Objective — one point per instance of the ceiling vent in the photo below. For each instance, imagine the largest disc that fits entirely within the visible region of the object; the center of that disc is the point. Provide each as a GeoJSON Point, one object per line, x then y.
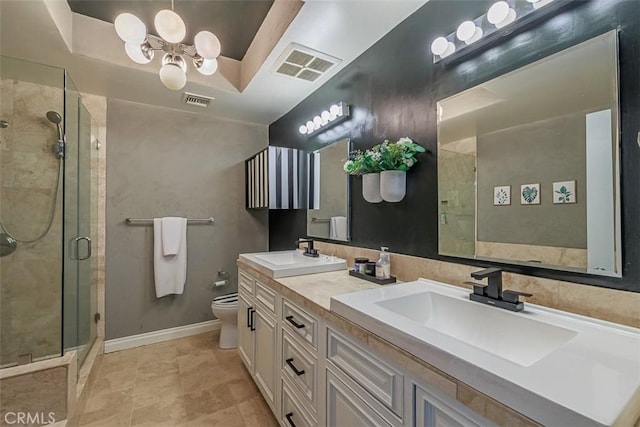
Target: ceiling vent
{"type": "Point", "coordinates": [303, 63]}
{"type": "Point", "coordinates": [199, 100]}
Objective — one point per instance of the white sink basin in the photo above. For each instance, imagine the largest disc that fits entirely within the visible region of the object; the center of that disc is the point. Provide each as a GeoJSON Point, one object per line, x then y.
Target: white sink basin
{"type": "Point", "coordinates": [293, 263]}
{"type": "Point", "coordinates": [517, 338]}
{"type": "Point", "coordinates": [555, 367]}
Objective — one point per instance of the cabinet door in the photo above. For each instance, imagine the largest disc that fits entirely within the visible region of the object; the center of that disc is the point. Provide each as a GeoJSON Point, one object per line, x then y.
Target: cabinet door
{"type": "Point", "coordinates": [265, 349]}
{"type": "Point", "coordinates": [345, 408]}
{"type": "Point", "coordinates": [432, 411]}
{"type": "Point", "coordinates": [245, 332]}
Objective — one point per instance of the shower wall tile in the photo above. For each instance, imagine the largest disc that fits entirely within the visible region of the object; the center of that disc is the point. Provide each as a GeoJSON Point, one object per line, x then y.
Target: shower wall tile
{"type": "Point", "coordinates": [30, 278]}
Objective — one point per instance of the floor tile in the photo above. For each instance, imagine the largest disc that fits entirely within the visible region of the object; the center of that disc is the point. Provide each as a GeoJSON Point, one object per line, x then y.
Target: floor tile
{"type": "Point", "coordinates": [183, 382]}
{"type": "Point", "coordinates": [208, 401]}
{"type": "Point", "coordinates": [228, 417]}
{"type": "Point", "coordinates": [160, 414]}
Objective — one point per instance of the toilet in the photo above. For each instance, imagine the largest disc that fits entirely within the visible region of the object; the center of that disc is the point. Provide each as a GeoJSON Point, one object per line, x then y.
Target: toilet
{"type": "Point", "coordinates": [225, 308]}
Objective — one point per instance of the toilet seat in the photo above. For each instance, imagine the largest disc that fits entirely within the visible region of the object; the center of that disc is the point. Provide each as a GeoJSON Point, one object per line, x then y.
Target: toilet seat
{"type": "Point", "coordinates": [229, 300]}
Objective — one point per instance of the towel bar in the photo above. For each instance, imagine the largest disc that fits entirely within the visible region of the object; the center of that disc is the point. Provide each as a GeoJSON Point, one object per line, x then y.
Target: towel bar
{"type": "Point", "coordinates": [209, 220]}
{"type": "Point", "coordinates": [314, 219]}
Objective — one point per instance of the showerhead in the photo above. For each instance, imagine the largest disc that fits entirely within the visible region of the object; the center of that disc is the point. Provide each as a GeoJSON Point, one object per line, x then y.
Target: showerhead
{"type": "Point", "coordinates": [55, 118]}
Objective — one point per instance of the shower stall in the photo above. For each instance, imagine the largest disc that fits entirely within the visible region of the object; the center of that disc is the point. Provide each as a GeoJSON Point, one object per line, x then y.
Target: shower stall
{"type": "Point", "coordinates": [48, 189]}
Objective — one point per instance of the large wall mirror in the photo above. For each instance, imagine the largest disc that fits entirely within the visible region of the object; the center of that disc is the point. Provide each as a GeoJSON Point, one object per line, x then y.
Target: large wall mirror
{"type": "Point", "coordinates": [331, 192]}
{"type": "Point", "coordinates": [528, 164]}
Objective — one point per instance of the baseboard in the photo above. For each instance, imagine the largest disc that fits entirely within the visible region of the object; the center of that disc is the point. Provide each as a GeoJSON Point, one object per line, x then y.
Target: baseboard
{"type": "Point", "coordinates": [133, 341]}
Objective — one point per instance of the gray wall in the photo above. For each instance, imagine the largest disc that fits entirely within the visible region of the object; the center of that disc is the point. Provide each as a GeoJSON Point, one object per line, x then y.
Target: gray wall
{"type": "Point", "coordinates": [163, 162]}
{"type": "Point", "coordinates": [543, 152]}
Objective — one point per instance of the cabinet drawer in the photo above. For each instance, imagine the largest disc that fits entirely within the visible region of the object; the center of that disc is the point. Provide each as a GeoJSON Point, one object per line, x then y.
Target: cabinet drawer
{"type": "Point", "coordinates": [245, 283]}
{"type": "Point", "coordinates": [346, 408]}
{"type": "Point", "coordinates": [382, 381]}
{"type": "Point", "coordinates": [433, 410]}
{"type": "Point", "coordinates": [301, 368]}
{"type": "Point", "coordinates": [266, 297]}
{"type": "Point", "coordinates": [300, 323]}
{"type": "Point", "coordinates": [293, 414]}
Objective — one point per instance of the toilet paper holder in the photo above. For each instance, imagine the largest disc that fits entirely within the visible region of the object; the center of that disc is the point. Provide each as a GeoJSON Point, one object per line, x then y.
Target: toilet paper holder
{"type": "Point", "coordinates": [221, 280]}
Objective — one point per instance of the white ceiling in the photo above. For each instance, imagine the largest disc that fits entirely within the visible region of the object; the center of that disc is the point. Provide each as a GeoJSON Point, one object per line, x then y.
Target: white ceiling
{"type": "Point", "coordinates": [42, 31]}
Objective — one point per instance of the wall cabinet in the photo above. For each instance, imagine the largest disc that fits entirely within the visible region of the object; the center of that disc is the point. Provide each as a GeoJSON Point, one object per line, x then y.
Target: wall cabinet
{"type": "Point", "coordinates": [312, 374]}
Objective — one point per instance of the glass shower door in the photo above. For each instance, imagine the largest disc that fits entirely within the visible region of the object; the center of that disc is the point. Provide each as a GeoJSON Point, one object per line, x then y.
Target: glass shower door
{"type": "Point", "coordinates": [79, 296]}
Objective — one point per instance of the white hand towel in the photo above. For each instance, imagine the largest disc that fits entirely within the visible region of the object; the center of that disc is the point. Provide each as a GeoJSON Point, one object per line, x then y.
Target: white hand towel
{"type": "Point", "coordinates": [170, 272]}
{"type": "Point", "coordinates": [171, 234]}
{"type": "Point", "coordinates": [338, 228]}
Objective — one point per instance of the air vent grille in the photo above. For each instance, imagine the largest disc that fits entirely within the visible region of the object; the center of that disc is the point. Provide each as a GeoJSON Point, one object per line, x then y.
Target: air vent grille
{"type": "Point", "coordinates": [303, 63]}
{"type": "Point", "coordinates": [199, 100]}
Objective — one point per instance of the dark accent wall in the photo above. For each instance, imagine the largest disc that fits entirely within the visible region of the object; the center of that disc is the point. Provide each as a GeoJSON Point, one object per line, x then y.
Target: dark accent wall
{"type": "Point", "coordinates": [393, 88]}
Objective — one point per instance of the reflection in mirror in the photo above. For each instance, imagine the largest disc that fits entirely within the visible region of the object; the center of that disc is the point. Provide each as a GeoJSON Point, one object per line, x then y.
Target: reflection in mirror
{"type": "Point", "coordinates": [528, 164]}
{"type": "Point", "coordinates": [331, 219]}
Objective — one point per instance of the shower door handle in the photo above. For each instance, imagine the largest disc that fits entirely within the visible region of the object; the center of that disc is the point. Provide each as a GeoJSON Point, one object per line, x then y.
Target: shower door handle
{"type": "Point", "coordinates": [88, 240]}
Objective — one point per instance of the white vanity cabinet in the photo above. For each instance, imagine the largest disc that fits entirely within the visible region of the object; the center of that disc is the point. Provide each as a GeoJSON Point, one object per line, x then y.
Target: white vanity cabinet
{"type": "Point", "coordinates": [313, 373]}
{"type": "Point", "coordinates": [246, 302]}
{"type": "Point", "coordinates": [258, 335]}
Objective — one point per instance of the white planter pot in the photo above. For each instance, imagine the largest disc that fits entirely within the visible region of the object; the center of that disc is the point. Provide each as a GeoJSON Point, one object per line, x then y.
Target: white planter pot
{"type": "Point", "coordinates": [393, 185]}
{"type": "Point", "coordinates": [371, 187]}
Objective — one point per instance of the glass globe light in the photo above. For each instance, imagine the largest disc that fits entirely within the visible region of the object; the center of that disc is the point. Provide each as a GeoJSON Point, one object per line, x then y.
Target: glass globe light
{"type": "Point", "coordinates": [500, 14]}
{"type": "Point", "coordinates": [130, 28]}
{"type": "Point", "coordinates": [335, 110]}
{"type": "Point", "coordinates": [207, 45]}
{"type": "Point", "coordinates": [142, 54]}
{"type": "Point", "coordinates": [172, 76]}
{"type": "Point", "coordinates": [170, 26]}
{"type": "Point", "coordinates": [466, 30]}
{"type": "Point", "coordinates": [207, 66]}
{"type": "Point", "coordinates": [439, 46]}
{"type": "Point", "coordinates": [302, 129]}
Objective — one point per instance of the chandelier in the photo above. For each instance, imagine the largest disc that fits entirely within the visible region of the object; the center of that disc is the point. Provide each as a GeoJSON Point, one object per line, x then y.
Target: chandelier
{"type": "Point", "coordinates": [141, 46]}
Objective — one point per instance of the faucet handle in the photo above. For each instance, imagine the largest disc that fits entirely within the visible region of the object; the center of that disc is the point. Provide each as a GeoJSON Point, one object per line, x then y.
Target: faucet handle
{"type": "Point", "coordinates": [478, 288]}
{"type": "Point", "coordinates": [514, 296]}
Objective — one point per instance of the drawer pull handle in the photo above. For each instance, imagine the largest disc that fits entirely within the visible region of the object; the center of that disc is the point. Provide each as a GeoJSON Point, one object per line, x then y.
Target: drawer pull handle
{"type": "Point", "coordinates": [294, 323]}
{"type": "Point", "coordinates": [249, 317]}
{"type": "Point", "coordinates": [293, 367]}
{"type": "Point", "coordinates": [288, 417]}
{"type": "Point", "coordinates": [253, 320]}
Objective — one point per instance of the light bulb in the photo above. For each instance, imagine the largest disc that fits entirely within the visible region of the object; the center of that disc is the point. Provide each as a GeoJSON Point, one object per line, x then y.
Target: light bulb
{"type": "Point", "coordinates": [439, 46]}
{"type": "Point", "coordinates": [130, 28]}
{"type": "Point", "coordinates": [310, 127]}
{"type": "Point", "coordinates": [170, 26]}
{"type": "Point", "coordinates": [500, 14]}
{"type": "Point", "coordinates": [335, 110]}
{"type": "Point", "coordinates": [207, 45]}
{"type": "Point", "coordinates": [137, 53]}
{"type": "Point", "coordinates": [302, 129]}
{"type": "Point", "coordinates": [172, 76]}
{"type": "Point", "coordinates": [208, 66]}
{"type": "Point", "coordinates": [317, 121]}
{"type": "Point", "coordinates": [451, 48]}
{"type": "Point", "coordinates": [326, 116]}
{"type": "Point", "coordinates": [466, 30]}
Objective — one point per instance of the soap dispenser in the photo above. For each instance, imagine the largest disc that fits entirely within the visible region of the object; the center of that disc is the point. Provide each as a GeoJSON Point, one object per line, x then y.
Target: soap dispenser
{"type": "Point", "coordinates": [383, 266]}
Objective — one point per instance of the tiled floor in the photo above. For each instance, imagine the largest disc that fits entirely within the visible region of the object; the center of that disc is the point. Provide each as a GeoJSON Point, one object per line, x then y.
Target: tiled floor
{"type": "Point", "coordinates": [184, 382]}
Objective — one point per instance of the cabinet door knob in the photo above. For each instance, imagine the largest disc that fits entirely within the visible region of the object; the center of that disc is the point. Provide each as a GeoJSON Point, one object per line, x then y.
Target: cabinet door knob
{"type": "Point", "coordinates": [293, 367]}
{"type": "Point", "coordinates": [294, 323]}
{"type": "Point", "coordinates": [288, 417]}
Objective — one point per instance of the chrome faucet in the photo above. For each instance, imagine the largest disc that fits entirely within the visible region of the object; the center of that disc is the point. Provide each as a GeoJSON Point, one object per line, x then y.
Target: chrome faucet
{"type": "Point", "coordinates": [308, 250]}
{"type": "Point", "coordinates": [492, 293]}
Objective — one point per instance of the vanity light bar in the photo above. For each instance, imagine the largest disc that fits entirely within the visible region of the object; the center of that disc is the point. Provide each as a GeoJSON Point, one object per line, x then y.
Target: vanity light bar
{"type": "Point", "coordinates": [335, 114]}
{"type": "Point", "coordinates": [502, 18]}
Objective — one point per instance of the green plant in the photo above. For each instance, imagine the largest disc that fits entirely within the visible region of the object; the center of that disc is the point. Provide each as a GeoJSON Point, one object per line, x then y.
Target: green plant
{"type": "Point", "coordinates": [361, 163]}
{"type": "Point", "coordinates": [399, 155]}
